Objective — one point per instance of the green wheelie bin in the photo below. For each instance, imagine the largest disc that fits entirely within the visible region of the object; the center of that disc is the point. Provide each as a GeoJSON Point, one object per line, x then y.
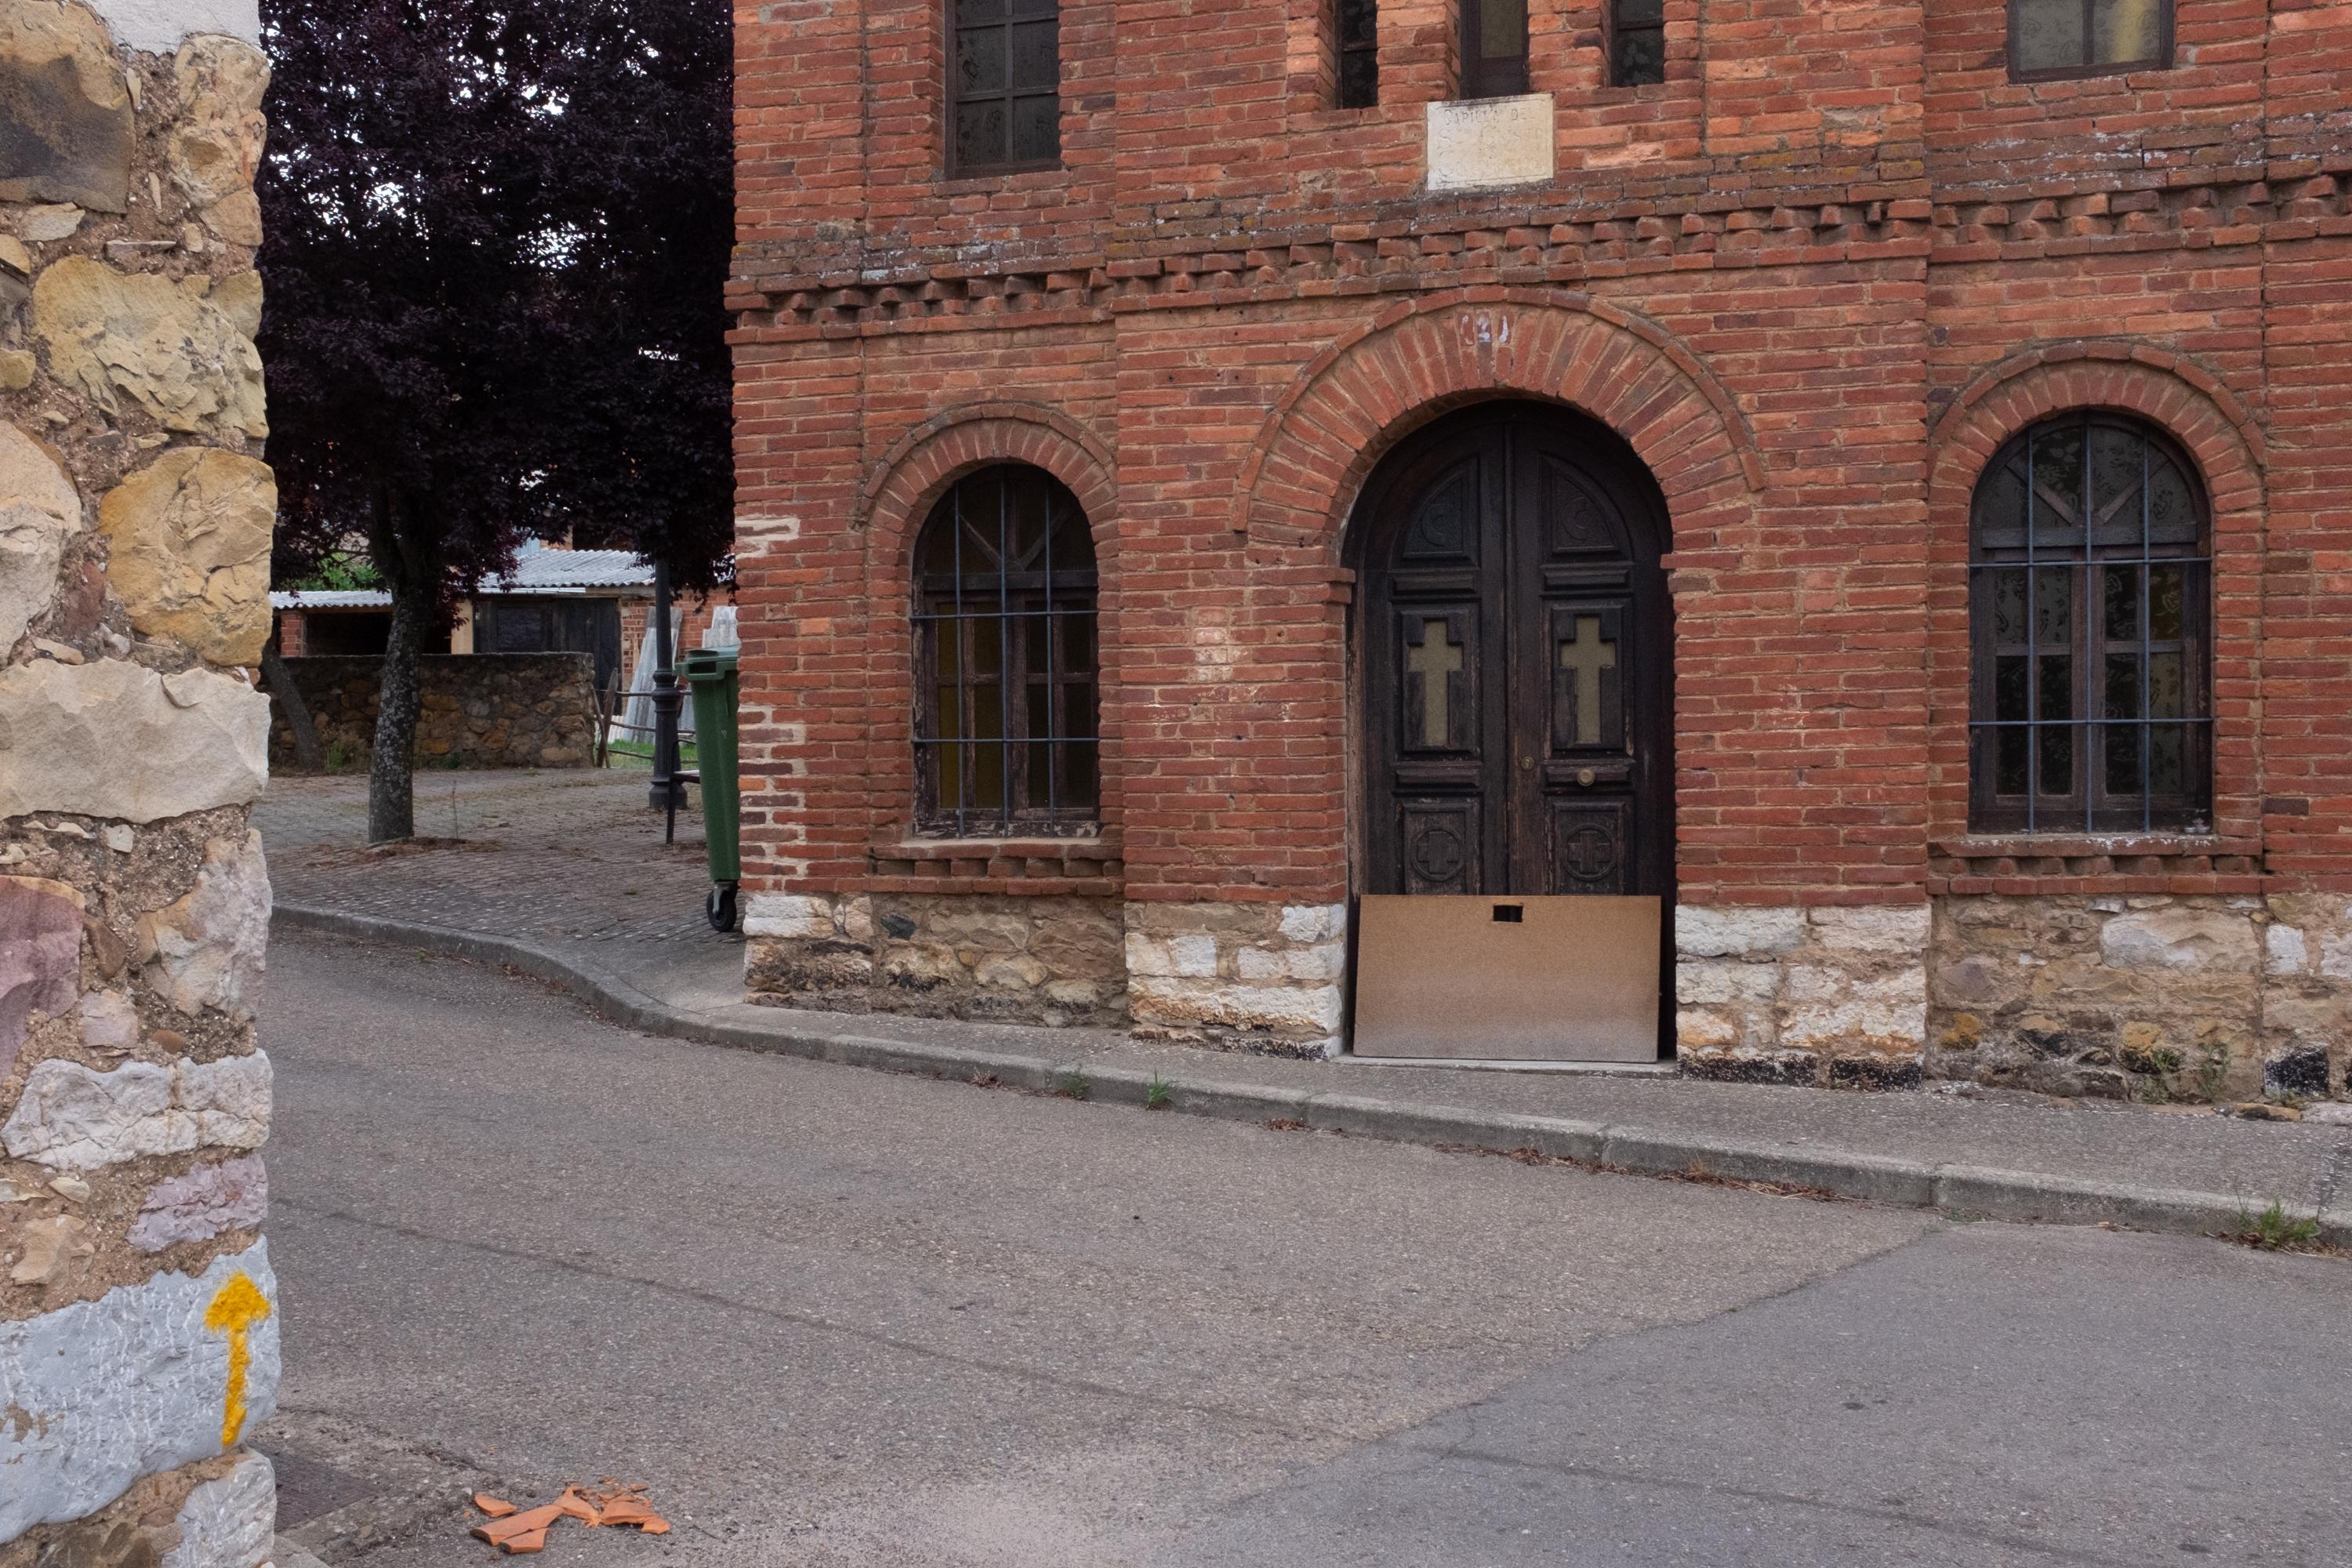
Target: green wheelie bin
{"type": "Point", "coordinates": [709, 675]}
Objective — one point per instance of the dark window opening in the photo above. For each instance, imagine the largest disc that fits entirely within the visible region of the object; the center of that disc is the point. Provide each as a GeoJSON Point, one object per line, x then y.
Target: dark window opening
{"type": "Point", "coordinates": [1004, 76]}
{"type": "Point", "coordinates": [1007, 661]}
{"type": "Point", "coordinates": [2049, 39]}
{"type": "Point", "coordinates": [1493, 47]}
{"type": "Point", "coordinates": [2090, 702]}
{"type": "Point", "coordinates": [1634, 32]}
{"type": "Point", "coordinates": [1356, 34]}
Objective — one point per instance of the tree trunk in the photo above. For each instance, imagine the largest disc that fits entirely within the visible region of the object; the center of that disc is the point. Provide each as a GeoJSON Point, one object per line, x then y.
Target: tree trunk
{"type": "Point", "coordinates": [403, 548]}
{"type": "Point", "coordinates": [289, 697]}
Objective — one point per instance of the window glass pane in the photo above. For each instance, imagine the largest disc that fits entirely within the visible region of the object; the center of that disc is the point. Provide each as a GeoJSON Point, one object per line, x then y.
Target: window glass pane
{"type": "Point", "coordinates": [2057, 686]}
{"type": "Point", "coordinates": [1359, 24]}
{"type": "Point", "coordinates": [2123, 686]}
{"type": "Point", "coordinates": [1360, 79]}
{"type": "Point", "coordinates": [1502, 29]}
{"type": "Point", "coordinates": [2124, 32]}
{"type": "Point", "coordinates": [2057, 487]}
{"type": "Point", "coordinates": [987, 651]}
{"type": "Point", "coordinates": [1035, 8]}
{"type": "Point", "coordinates": [2008, 688]}
{"type": "Point", "coordinates": [2116, 458]}
{"type": "Point", "coordinates": [2009, 761]}
{"type": "Point", "coordinates": [1641, 13]}
{"type": "Point", "coordinates": [2049, 34]}
{"type": "Point", "coordinates": [1079, 709]}
{"type": "Point", "coordinates": [2167, 695]}
{"type": "Point", "coordinates": [2053, 606]}
{"type": "Point", "coordinates": [2057, 761]}
{"type": "Point", "coordinates": [1640, 56]}
{"type": "Point", "coordinates": [2008, 607]}
{"type": "Point", "coordinates": [1036, 130]}
{"type": "Point", "coordinates": [1038, 790]}
{"type": "Point", "coordinates": [1077, 646]}
{"type": "Point", "coordinates": [2123, 759]}
{"type": "Point", "coordinates": [988, 756]}
{"type": "Point", "coordinates": [1036, 632]}
{"type": "Point", "coordinates": [2167, 760]}
{"type": "Point", "coordinates": [2120, 589]}
{"type": "Point", "coordinates": [980, 61]}
{"type": "Point", "coordinates": [2167, 603]}
{"type": "Point", "coordinates": [980, 132]}
{"type": "Point", "coordinates": [2000, 507]}
{"type": "Point", "coordinates": [1036, 54]}
{"type": "Point", "coordinates": [2171, 510]}
{"type": "Point", "coordinates": [968, 11]}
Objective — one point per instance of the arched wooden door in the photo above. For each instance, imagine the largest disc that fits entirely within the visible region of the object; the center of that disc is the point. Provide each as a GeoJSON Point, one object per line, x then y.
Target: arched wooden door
{"type": "Point", "coordinates": [1516, 691]}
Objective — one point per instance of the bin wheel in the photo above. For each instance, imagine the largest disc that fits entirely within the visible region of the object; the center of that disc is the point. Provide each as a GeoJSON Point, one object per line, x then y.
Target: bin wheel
{"type": "Point", "coordinates": [719, 907]}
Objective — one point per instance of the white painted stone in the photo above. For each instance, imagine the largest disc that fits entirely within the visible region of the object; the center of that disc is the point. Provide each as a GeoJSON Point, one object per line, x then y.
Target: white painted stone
{"type": "Point", "coordinates": [114, 739]}
{"type": "Point", "coordinates": [1485, 141]}
{"type": "Point", "coordinates": [206, 950]}
{"type": "Point", "coordinates": [2284, 951]}
{"type": "Point", "coordinates": [71, 1117]}
{"type": "Point", "coordinates": [101, 1393]}
{"type": "Point", "coordinates": [197, 1207]}
{"type": "Point", "coordinates": [40, 510]}
{"type": "Point", "coordinates": [1314, 922]}
{"type": "Point", "coordinates": [1890, 930]}
{"type": "Point", "coordinates": [1310, 965]}
{"type": "Point", "coordinates": [1827, 1008]}
{"type": "Point", "coordinates": [160, 24]}
{"type": "Point", "coordinates": [788, 915]}
{"type": "Point", "coordinates": [231, 1522]}
{"type": "Point", "coordinates": [1186, 957]}
{"type": "Point", "coordinates": [1705, 982]}
{"type": "Point", "coordinates": [1284, 1010]}
{"type": "Point", "coordinates": [2179, 937]}
{"type": "Point", "coordinates": [1736, 931]}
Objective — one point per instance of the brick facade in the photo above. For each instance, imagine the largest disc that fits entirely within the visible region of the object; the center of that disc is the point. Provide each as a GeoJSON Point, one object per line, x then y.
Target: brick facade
{"type": "Point", "coordinates": [1814, 278]}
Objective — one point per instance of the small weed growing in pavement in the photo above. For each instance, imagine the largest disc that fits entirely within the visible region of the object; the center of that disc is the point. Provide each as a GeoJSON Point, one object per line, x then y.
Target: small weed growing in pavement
{"type": "Point", "coordinates": [1156, 1093]}
{"type": "Point", "coordinates": [2272, 1231]}
{"type": "Point", "coordinates": [1075, 1085]}
{"type": "Point", "coordinates": [339, 757]}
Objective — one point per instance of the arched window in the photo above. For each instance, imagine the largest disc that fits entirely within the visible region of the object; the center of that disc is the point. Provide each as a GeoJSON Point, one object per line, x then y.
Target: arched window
{"type": "Point", "coordinates": [2090, 701]}
{"type": "Point", "coordinates": [1005, 660]}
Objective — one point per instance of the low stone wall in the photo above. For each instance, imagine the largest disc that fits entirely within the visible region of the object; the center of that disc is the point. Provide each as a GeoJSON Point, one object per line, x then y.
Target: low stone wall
{"type": "Point", "coordinates": [1787, 994]}
{"type": "Point", "coordinates": [1049, 959]}
{"type": "Point", "coordinates": [478, 710]}
{"type": "Point", "coordinates": [1255, 977]}
{"type": "Point", "coordinates": [2150, 998]}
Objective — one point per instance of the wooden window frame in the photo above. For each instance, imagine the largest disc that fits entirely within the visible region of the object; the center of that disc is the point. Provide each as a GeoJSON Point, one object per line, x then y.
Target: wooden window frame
{"type": "Point", "coordinates": [984, 601]}
{"type": "Point", "coordinates": [2161, 60]}
{"type": "Point", "coordinates": [2087, 806]}
{"type": "Point", "coordinates": [957, 168]}
{"type": "Point", "coordinates": [1481, 79]}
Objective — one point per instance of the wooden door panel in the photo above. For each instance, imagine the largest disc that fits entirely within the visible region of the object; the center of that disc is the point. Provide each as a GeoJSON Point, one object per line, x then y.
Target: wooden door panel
{"type": "Point", "coordinates": [1442, 846]}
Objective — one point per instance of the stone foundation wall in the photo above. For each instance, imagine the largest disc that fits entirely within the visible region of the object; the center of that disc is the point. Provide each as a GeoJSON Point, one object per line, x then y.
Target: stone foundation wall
{"type": "Point", "coordinates": [1049, 959]}
{"type": "Point", "coordinates": [2151, 998]}
{"type": "Point", "coordinates": [138, 1316]}
{"type": "Point", "coordinates": [1821, 995]}
{"type": "Point", "coordinates": [477, 709]}
{"type": "Point", "coordinates": [1254, 977]}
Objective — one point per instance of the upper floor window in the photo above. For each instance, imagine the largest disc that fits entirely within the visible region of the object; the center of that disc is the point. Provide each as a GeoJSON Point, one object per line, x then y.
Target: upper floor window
{"type": "Point", "coordinates": [1493, 47]}
{"type": "Point", "coordinates": [1004, 76]}
{"type": "Point", "coordinates": [1005, 660]}
{"type": "Point", "coordinates": [1635, 34]}
{"type": "Point", "coordinates": [2090, 693]}
{"type": "Point", "coordinates": [2052, 38]}
{"type": "Point", "coordinates": [1356, 40]}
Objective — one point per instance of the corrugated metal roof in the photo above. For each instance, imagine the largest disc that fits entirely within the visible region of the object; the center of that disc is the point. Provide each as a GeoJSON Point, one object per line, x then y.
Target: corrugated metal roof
{"type": "Point", "coordinates": [539, 571]}
{"type": "Point", "coordinates": [330, 599]}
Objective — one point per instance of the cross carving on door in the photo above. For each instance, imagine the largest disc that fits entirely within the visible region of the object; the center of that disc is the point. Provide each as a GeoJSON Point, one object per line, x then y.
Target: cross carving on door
{"type": "Point", "coordinates": [1433, 658]}
{"type": "Point", "coordinates": [1584, 655]}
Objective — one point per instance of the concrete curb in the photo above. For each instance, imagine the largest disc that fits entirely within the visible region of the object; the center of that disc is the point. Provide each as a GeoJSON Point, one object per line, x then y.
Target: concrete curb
{"type": "Point", "coordinates": [1961, 1191]}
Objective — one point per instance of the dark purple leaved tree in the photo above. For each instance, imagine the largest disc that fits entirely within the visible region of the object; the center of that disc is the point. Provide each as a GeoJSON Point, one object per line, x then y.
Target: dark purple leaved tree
{"type": "Point", "coordinates": [498, 239]}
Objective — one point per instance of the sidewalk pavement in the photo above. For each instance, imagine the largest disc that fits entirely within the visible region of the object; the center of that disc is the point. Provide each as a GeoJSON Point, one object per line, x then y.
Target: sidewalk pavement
{"type": "Point", "coordinates": [565, 875]}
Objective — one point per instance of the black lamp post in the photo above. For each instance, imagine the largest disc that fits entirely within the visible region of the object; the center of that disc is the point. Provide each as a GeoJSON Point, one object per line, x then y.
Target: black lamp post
{"type": "Point", "coordinates": [666, 794]}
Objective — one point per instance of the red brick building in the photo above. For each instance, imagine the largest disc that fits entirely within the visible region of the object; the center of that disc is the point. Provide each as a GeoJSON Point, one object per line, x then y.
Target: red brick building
{"type": "Point", "coordinates": [1875, 476]}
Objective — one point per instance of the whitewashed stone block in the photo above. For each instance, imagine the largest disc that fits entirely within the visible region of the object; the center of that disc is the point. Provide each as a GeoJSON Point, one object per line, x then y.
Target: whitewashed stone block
{"type": "Point", "coordinates": [1480, 142]}
{"type": "Point", "coordinates": [1736, 931]}
{"type": "Point", "coordinates": [101, 1393]}
{"type": "Point", "coordinates": [2179, 936]}
{"type": "Point", "coordinates": [72, 1117]}
{"type": "Point", "coordinates": [231, 1522]}
{"type": "Point", "coordinates": [2283, 951]}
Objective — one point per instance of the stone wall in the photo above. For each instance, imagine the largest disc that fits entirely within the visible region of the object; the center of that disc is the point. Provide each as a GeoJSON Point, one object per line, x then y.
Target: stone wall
{"type": "Point", "coordinates": [1050, 959]}
{"type": "Point", "coordinates": [137, 1321]}
{"type": "Point", "coordinates": [477, 709]}
{"type": "Point", "coordinates": [1255, 977]}
{"type": "Point", "coordinates": [1830, 994]}
{"type": "Point", "coordinates": [2151, 997]}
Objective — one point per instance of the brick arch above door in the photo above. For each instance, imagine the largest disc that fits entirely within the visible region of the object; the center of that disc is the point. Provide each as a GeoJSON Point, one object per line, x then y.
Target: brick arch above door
{"type": "Point", "coordinates": [1351, 404]}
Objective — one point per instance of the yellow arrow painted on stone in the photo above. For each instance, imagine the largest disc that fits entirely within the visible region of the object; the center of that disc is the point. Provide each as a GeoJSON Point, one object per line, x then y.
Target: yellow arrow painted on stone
{"type": "Point", "coordinates": [238, 1306]}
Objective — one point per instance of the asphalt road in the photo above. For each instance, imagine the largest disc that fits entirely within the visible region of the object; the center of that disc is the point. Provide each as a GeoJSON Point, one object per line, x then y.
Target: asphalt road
{"type": "Point", "coordinates": [836, 1317]}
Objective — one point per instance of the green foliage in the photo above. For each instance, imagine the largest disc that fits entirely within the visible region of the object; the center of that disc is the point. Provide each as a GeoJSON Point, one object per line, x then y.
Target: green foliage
{"type": "Point", "coordinates": [2272, 1231]}
{"type": "Point", "coordinates": [1157, 1094]}
{"type": "Point", "coordinates": [1075, 1085]}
